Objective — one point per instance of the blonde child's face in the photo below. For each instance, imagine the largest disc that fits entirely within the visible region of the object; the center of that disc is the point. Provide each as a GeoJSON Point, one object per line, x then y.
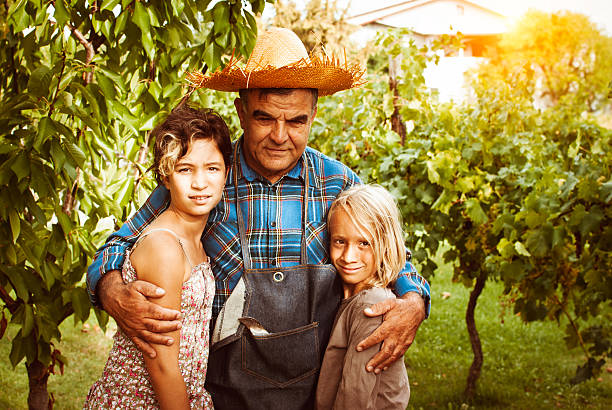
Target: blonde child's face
{"type": "Point", "coordinates": [351, 253]}
{"type": "Point", "coordinates": [198, 180]}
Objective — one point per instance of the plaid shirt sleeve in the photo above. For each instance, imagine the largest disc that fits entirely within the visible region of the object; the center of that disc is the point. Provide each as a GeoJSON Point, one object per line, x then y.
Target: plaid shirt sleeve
{"type": "Point", "coordinates": [112, 254]}
{"type": "Point", "coordinates": [409, 280]}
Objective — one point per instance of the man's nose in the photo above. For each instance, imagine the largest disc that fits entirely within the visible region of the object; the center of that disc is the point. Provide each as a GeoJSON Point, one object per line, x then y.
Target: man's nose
{"type": "Point", "coordinates": [279, 132]}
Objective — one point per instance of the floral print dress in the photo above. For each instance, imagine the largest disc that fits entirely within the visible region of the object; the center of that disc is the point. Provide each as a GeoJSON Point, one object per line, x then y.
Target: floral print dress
{"type": "Point", "coordinates": [125, 381]}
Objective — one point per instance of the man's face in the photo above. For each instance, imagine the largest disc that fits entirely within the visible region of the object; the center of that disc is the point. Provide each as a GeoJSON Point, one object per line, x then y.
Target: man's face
{"type": "Point", "coordinates": [276, 129]}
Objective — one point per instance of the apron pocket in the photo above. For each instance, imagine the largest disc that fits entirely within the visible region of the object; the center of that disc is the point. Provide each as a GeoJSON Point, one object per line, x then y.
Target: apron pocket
{"type": "Point", "coordinates": [281, 358]}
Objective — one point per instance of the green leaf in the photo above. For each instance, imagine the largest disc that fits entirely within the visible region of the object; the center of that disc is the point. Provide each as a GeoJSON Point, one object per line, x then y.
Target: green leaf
{"type": "Point", "coordinates": [141, 18]}
{"type": "Point", "coordinates": [21, 166]}
{"type": "Point", "coordinates": [46, 128]}
{"type": "Point", "coordinates": [61, 14]}
{"type": "Point", "coordinates": [80, 303]}
{"type": "Point", "coordinates": [220, 14]}
{"type": "Point", "coordinates": [15, 224]}
{"type": "Point", "coordinates": [28, 322]}
{"type": "Point", "coordinates": [16, 279]}
{"type": "Point", "coordinates": [125, 192]}
{"type": "Point", "coordinates": [153, 17]}
{"type": "Point", "coordinates": [64, 222]}
{"type": "Point", "coordinates": [120, 23]}
{"type": "Point", "coordinates": [505, 248]}
{"type": "Point", "coordinates": [109, 4]}
{"type": "Point", "coordinates": [606, 190]}
{"type": "Point", "coordinates": [444, 201]}
{"type": "Point", "coordinates": [148, 44]}
{"type": "Point", "coordinates": [11, 255]}
{"type": "Point", "coordinates": [39, 81]}
{"type": "Point", "coordinates": [475, 212]}
{"type": "Point", "coordinates": [57, 154]}
{"type": "Point", "coordinates": [537, 243]}
{"type": "Point", "coordinates": [17, 350]}
{"type": "Point", "coordinates": [18, 15]}
{"type": "Point", "coordinates": [75, 153]}
{"type": "Point", "coordinates": [432, 173]}
{"type": "Point", "coordinates": [520, 249]}
{"type": "Point", "coordinates": [149, 123]}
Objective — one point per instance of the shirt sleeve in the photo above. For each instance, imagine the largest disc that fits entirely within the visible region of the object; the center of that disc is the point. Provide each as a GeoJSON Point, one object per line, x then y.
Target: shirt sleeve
{"type": "Point", "coordinates": [409, 280]}
{"type": "Point", "coordinates": [358, 388]}
{"type": "Point", "coordinates": [112, 254]}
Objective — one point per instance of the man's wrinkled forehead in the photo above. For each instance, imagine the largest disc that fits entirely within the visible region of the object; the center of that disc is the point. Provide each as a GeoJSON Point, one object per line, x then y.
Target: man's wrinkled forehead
{"type": "Point", "coordinates": [262, 94]}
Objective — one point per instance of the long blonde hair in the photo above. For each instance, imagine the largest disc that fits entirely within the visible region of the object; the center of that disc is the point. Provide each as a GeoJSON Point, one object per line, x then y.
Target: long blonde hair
{"type": "Point", "coordinates": [373, 211]}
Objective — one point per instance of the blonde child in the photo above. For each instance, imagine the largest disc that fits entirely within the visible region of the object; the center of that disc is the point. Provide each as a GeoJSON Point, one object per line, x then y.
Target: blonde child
{"type": "Point", "coordinates": [367, 249]}
{"type": "Point", "coordinates": [192, 154]}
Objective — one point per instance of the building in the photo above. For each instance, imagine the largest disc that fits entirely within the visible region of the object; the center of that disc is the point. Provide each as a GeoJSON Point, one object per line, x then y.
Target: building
{"type": "Point", "coordinates": [429, 20]}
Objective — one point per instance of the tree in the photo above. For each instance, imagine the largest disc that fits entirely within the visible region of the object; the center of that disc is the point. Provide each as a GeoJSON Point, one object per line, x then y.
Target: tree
{"type": "Point", "coordinates": [81, 85]}
{"type": "Point", "coordinates": [521, 195]}
{"type": "Point", "coordinates": [321, 24]}
{"type": "Point", "coordinates": [565, 57]}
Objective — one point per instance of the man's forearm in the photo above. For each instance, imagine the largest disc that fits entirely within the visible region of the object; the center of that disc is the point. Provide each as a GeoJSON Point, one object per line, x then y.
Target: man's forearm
{"type": "Point", "coordinates": [418, 303]}
{"type": "Point", "coordinates": [104, 288]}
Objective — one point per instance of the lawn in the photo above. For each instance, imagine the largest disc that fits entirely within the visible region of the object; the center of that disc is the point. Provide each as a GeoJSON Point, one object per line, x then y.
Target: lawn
{"type": "Point", "coordinates": [525, 366]}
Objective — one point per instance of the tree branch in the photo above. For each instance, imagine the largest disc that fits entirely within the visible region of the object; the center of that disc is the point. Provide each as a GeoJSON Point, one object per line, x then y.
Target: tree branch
{"type": "Point", "coordinates": [69, 198]}
{"type": "Point", "coordinates": [87, 76]}
{"type": "Point", "coordinates": [574, 326]}
{"type": "Point", "coordinates": [10, 303]}
{"type": "Point", "coordinates": [59, 80]}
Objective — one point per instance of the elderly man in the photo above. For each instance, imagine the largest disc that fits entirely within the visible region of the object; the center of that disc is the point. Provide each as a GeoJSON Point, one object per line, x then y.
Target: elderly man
{"type": "Point", "coordinates": [275, 297]}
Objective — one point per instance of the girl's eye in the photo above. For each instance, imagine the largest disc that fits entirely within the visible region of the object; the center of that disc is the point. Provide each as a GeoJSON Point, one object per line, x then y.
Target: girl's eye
{"type": "Point", "coordinates": [364, 243]}
{"type": "Point", "coordinates": [183, 170]}
{"type": "Point", "coordinates": [213, 169]}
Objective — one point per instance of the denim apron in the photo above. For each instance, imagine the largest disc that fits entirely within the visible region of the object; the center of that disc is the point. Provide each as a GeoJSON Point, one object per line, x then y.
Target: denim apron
{"type": "Point", "coordinates": [275, 367]}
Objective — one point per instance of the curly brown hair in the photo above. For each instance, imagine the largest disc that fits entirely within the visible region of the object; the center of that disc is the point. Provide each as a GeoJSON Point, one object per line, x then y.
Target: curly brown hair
{"type": "Point", "coordinates": [183, 125]}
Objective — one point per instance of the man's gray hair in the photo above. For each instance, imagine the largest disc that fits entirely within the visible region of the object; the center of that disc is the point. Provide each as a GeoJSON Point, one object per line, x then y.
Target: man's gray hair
{"type": "Point", "coordinates": [244, 94]}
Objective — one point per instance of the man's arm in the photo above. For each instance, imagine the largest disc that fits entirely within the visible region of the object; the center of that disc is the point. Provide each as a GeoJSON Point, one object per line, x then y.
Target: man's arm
{"type": "Point", "coordinates": [140, 319]}
{"type": "Point", "coordinates": [402, 318]}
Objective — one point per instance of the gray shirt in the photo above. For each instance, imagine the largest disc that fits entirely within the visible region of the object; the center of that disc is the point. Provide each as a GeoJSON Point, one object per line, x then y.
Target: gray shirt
{"type": "Point", "coordinates": [343, 381]}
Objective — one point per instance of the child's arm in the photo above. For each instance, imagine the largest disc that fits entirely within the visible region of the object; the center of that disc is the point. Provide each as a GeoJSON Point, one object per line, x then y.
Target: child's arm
{"type": "Point", "coordinates": [358, 388]}
{"type": "Point", "coordinates": [110, 256]}
{"type": "Point", "coordinates": [160, 260]}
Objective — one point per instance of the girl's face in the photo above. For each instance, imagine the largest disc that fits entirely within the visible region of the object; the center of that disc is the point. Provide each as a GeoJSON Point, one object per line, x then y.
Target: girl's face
{"type": "Point", "coordinates": [198, 179]}
{"type": "Point", "coordinates": [351, 253]}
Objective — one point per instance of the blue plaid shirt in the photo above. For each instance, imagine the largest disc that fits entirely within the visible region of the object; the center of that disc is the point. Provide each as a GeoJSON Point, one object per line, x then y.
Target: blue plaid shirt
{"type": "Point", "coordinates": [273, 214]}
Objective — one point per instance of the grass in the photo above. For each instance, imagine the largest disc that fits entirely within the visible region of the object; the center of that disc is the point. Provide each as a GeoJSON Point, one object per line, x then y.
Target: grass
{"type": "Point", "coordinates": [86, 348]}
{"type": "Point", "coordinates": [525, 366]}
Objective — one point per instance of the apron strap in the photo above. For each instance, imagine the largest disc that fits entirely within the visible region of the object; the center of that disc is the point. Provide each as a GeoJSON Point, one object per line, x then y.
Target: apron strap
{"type": "Point", "coordinates": [244, 244]}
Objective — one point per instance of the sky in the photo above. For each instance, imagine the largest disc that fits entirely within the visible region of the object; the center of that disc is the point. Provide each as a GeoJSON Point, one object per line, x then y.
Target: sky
{"type": "Point", "coordinates": [599, 11]}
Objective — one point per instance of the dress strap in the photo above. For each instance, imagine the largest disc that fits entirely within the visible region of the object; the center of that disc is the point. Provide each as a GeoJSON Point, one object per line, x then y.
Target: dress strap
{"type": "Point", "coordinates": [165, 230]}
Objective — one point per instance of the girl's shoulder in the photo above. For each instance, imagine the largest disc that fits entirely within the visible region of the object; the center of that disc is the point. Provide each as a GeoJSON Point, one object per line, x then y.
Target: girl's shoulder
{"type": "Point", "coordinates": [156, 248]}
{"type": "Point", "coordinates": [158, 243]}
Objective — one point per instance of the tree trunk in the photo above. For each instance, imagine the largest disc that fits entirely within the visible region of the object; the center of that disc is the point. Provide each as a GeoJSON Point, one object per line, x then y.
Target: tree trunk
{"type": "Point", "coordinates": [476, 366]}
{"type": "Point", "coordinates": [396, 119]}
{"type": "Point", "coordinates": [38, 397]}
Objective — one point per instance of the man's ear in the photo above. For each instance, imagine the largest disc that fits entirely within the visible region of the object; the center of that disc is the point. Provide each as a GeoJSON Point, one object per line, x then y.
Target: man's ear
{"type": "Point", "coordinates": [240, 111]}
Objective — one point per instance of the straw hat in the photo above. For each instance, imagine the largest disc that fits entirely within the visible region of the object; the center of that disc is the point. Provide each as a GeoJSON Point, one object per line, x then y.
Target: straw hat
{"type": "Point", "coordinates": [279, 60]}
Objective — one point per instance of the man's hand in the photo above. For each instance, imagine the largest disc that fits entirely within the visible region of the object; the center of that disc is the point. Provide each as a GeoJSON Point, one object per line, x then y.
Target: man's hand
{"type": "Point", "coordinates": [401, 320]}
{"type": "Point", "coordinates": [141, 320]}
